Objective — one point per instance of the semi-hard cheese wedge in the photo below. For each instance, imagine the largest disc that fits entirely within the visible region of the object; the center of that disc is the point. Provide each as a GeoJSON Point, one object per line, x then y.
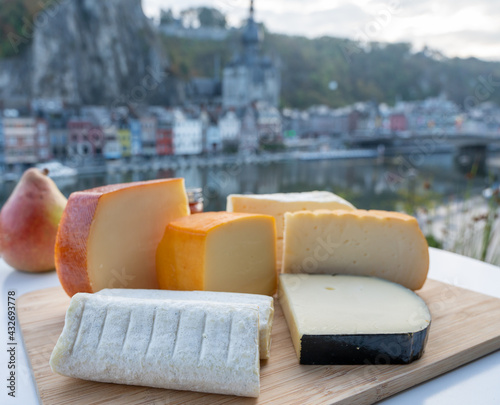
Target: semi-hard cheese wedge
{"type": "Point", "coordinates": [340, 319]}
{"type": "Point", "coordinates": [279, 203]}
{"type": "Point", "coordinates": [385, 244]}
{"type": "Point", "coordinates": [108, 236]}
{"type": "Point", "coordinates": [182, 345]}
{"type": "Point", "coordinates": [219, 251]}
{"type": "Point", "coordinates": [264, 302]}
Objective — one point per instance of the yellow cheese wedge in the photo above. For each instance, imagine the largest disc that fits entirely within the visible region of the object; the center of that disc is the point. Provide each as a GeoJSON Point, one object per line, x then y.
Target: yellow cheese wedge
{"type": "Point", "coordinates": [385, 244]}
{"type": "Point", "coordinates": [108, 236]}
{"type": "Point", "coordinates": [279, 203]}
{"type": "Point", "coordinates": [219, 251]}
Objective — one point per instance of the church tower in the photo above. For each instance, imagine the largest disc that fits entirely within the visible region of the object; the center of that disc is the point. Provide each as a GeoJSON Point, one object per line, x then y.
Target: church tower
{"type": "Point", "coordinates": [250, 76]}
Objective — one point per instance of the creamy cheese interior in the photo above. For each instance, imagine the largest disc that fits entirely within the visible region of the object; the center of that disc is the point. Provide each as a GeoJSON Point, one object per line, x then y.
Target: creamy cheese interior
{"type": "Point", "coordinates": [342, 304]}
{"type": "Point", "coordinates": [367, 243]}
{"type": "Point", "coordinates": [240, 256]}
{"type": "Point", "coordinates": [279, 203]}
{"type": "Point", "coordinates": [126, 229]}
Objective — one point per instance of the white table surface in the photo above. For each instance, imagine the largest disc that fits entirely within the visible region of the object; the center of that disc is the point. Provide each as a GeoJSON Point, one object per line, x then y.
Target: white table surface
{"type": "Point", "coordinates": [475, 383]}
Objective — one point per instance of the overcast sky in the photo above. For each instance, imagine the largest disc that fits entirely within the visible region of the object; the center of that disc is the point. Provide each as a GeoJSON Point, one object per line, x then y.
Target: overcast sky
{"type": "Point", "coordinates": [455, 27]}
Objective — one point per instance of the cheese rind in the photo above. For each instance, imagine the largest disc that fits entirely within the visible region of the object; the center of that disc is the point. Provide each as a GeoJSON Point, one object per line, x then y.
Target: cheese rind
{"type": "Point", "coordinates": [182, 345]}
{"type": "Point", "coordinates": [108, 235]}
{"type": "Point", "coordinates": [353, 319]}
{"type": "Point", "coordinates": [384, 244]}
{"type": "Point", "coordinates": [264, 302]}
{"type": "Point", "coordinates": [277, 204]}
{"type": "Point", "coordinates": [219, 251]}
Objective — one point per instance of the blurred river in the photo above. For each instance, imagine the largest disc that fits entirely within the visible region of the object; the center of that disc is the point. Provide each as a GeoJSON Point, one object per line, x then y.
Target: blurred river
{"type": "Point", "coordinates": [385, 183]}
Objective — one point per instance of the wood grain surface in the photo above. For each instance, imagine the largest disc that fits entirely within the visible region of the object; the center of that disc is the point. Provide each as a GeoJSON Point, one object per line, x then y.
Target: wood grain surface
{"type": "Point", "coordinates": [464, 327]}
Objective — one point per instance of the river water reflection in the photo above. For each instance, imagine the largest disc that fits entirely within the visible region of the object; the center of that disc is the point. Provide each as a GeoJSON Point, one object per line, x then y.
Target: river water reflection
{"type": "Point", "coordinates": [368, 183]}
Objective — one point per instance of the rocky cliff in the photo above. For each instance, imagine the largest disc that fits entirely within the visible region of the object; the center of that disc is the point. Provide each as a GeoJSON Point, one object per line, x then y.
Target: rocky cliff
{"type": "Point", "coordinates": [89, 52]}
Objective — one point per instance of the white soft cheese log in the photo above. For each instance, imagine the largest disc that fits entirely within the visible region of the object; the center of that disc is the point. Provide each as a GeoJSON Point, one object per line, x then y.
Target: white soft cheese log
{"type": "Point", "coordinates": [264, 302]}
{"type": "Point", "coordinates": [182, 345]}
{"type": "Point", "coordinates": [384, 244]}
{"type": "Point", "coordinates": [340, 319]}
{"type": "Point", "coordinates": [277, 204]}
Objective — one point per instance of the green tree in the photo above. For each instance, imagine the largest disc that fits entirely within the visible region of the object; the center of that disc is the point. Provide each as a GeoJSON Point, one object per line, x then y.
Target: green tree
{"type": "Point", "coordinates": [211, 17]}
{"type": "Point", "coordinates": [376, 71]}
{"type": "Point", "coordinates": [166, 17]}
{"type": "Point", "coordinates": [17, 20]}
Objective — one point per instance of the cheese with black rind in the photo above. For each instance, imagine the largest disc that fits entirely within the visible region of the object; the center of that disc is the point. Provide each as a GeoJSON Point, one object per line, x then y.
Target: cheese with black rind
{"type": "Point", "coordinates": [264, 302]}
{"type": "Point", "coordinates": [342, 319]}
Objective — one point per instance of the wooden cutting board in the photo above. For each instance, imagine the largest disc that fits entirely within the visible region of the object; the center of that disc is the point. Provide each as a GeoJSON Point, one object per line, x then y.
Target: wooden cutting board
{"type": "Point", "coordinates": [464, 327]}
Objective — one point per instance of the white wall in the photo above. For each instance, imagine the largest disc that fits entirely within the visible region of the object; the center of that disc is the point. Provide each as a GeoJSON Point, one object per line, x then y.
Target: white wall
{"type": "Point", "coordinates": [188, 135]}
{"type": "Point", "coordinates": [229, 127]}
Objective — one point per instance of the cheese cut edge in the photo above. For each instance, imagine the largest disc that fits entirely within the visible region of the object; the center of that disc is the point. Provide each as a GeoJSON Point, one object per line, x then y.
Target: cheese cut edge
{"type": "Point", "coordinates": [278, 204]}
{"type": "Point", "coordinates": [178, 269]}
{"type": "Point", "coordinates": [361, 348]}
{"type": "Point", "coordinates": [414, 281]}
{"type": "Point", "coordinates": [306, 196]}
{"type": "Point", "coordinates": [75, 228]}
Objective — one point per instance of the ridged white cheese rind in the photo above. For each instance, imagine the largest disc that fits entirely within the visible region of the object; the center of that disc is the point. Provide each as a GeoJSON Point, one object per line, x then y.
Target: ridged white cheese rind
{"type": "Point", "coordinates": [279, 203]}
{"type": "Point", "coordinates": [264, 302]}
{"type": "Point", "coordinates": [181, 345]}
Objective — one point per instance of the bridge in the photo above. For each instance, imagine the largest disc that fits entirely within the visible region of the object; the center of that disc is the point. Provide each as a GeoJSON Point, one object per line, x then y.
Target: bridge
{"type": "Point", "coordinates": [370, 138]}
{"type": "Point", "coordinates": [469, 148]}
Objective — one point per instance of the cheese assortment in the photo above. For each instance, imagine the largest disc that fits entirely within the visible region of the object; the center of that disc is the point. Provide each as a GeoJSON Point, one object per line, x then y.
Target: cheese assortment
{"type": "Point", "coordinates": [183, 345]}
{"type": "Point", "coordinates": [219, 251]}
{"type": "Point", "coordinates": [346, 319]}
{"type": "Point", "coordinates": [277, 204]}
{"type": "Point", "coordinates": [108, 236]}
{"type": "Point", "coordinates": [384, 244]}
{"type": "Point", "coordinates": [211, 322]}
{"type": "Point", "coordinates": [265, 305]}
